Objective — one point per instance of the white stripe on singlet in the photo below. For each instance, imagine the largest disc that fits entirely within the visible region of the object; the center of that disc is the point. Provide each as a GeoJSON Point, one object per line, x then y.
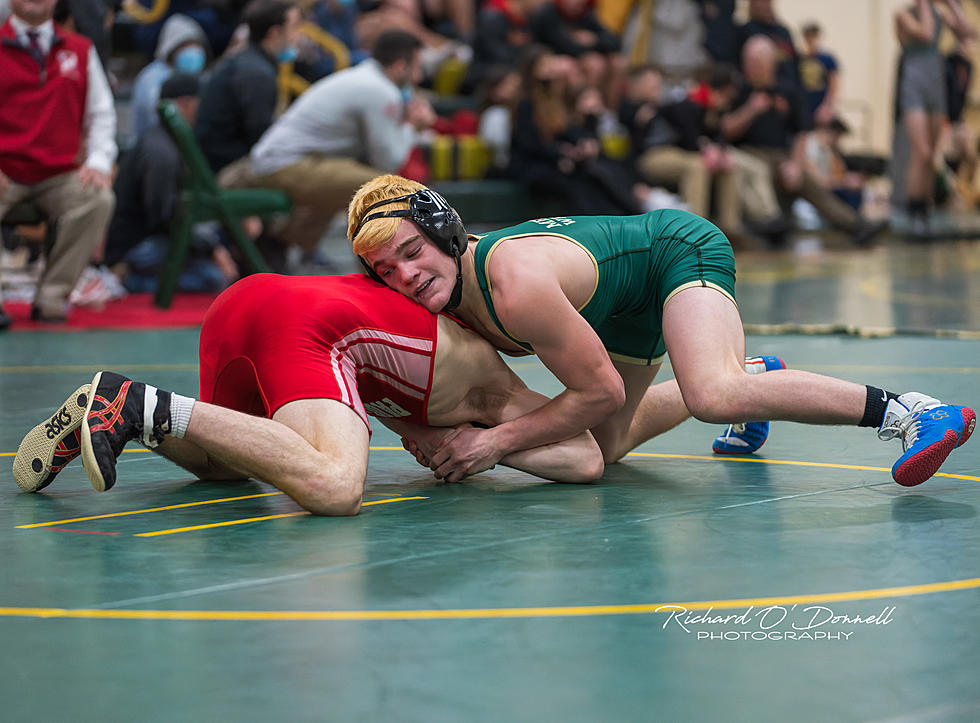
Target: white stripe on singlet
{"type": "Point", "coordinates": [403, 362]}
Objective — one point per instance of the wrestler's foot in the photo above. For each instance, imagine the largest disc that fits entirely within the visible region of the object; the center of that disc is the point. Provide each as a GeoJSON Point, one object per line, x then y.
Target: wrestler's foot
{"type": "Point", "coordinates": [929, 431]}
{"type": "Point", "coordinates": [52, 444]}
{"type": "Point", "coordinates": [747, 437]}
{"type": "Point", "coordinates": [118, 411]}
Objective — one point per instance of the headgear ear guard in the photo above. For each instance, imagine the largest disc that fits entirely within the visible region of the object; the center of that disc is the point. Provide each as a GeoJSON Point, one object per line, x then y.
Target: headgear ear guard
{"type": "Point", "coordinates": [437, 219]}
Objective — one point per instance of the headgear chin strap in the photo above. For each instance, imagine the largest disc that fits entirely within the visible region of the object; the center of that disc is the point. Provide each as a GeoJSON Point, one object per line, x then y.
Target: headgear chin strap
{"type": "Point", "coordinates": [437, 219]}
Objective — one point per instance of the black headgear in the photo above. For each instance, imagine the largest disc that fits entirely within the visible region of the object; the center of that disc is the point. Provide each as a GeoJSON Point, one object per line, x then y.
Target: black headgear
{"type": "Point", "coordinates": [437, 219]}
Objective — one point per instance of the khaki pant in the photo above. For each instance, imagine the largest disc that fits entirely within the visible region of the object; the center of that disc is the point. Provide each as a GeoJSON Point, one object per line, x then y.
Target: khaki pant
{"type": "Point", "coordinates": [319, 187]}
{"type": "Point", "coordinates": [80, 216]}
{"type": "Point", "coordinates": [756, 188]}
{"type": "Point", "coordinates": [829, 206]}
{"type": "Point", "coordinates": [670, 164]}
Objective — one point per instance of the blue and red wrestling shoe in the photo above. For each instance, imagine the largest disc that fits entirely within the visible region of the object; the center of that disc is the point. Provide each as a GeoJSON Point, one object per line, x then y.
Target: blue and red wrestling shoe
{"type": "Point", "coordinates": [929, 431]}
{"type": "Point", "coordinates": [747, 437]}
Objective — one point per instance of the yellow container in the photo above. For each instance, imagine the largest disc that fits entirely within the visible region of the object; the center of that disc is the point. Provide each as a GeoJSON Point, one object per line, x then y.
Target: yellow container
{"type": "Point", "coordinates": [441, 158]}
{"type": "Point", "coordinates": [448, 78]}
{"type": "Point", "coordinates": [616, 145]}
{"type": "Point", "coordinates": [473, 158]}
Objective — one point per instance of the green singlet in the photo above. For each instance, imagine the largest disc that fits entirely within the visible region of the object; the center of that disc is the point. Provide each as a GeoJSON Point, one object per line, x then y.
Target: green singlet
{"type": "Point", "coordinates": [640, 262]}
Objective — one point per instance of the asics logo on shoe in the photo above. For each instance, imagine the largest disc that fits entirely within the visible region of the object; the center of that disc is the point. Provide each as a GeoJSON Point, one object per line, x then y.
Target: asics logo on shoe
{"type": "Point", "coordinates": [58, 423]}
{"type": "Point", "coordinates": [111, 413]}
{"type": "Point", "coordinates": [884, 398]}
{"type": "Point", "coordinates": [939, 414]}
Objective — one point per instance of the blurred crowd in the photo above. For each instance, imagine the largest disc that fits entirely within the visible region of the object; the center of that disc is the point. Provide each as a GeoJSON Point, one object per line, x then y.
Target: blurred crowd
{"type": "Point", "coordinates": [601, 106]}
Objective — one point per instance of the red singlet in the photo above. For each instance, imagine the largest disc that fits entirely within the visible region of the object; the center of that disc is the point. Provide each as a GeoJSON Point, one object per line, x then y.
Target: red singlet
{"type": "Point", "coordinates": [269, 340]}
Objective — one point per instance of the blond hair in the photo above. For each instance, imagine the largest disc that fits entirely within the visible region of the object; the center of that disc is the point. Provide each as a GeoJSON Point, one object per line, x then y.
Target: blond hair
{"type": "Point", "coordinates": [379, 231]}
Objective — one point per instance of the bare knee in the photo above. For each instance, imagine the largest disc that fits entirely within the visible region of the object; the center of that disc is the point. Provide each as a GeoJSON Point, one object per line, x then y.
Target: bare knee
{"type": "Point", "coordinates": [590, 470]}
{"type": "Point", "coordinates": [715, 403]}
{"type": "Point", "coordinates": [334, 492]}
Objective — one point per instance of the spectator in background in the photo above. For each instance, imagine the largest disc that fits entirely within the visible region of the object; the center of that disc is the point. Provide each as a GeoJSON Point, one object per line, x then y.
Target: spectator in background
{"type": "Point", "coordinates": [921, 96]}
{"type": "Point", "coordinates": [760, 211]}
{"type": "Point", "coordinates": [183, 48]}
{"type": "Point", "coordinates": [93, 19]}
{"type": "Point", "coordinates": [669, 35]}
{"type": "Point", "coordinates": [570, 27]}
{"type": "Point", "coordinates": [239, 101]}
{"type": "Point", "coordinates": [769, 120]}
{"type": "Point", "coordinates": [499, 95]}
{"type": "Point", "coordinates": [60, 154]}
{"type": "Point", "coordinates": [453, 18]}
{"type": "Point", "coordinates": [550, 150]}
{"type": "Point", "coordinates": [720, 34]}
{"type": "Point", "coordinates": [339, 18]}
{"type": "Point", "coordinates": [819, 76]}
{"type": "Point", "coordinates": [147, 189]}
{"type": "Point", "coordinates": [672, 145]}
{"type": "Point", "coordinates": [406, 15]}
{"type": "Point", "coordinates": [960, 154]}
{"type": "Point", "coordinates": [502, 35]}
{"type": "Point", "coordinates": [762, 21]}
{"type": "Point", "coordinates": [218, 18]}
{"type": "Point", "coordinates": [959, 75]}
{"type": "Point", "coordinates": [826, 162]}
{"type": "Point", "coordinates": [342, 132]}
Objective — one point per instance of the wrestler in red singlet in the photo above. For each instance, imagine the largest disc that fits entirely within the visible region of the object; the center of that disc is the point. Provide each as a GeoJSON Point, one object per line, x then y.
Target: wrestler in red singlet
{"type": "Point", "coordinates": [269, 340]}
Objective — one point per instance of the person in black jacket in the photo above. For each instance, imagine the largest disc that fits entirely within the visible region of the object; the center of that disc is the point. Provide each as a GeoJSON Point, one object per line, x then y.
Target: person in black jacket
{"type": "Point", "coordinates": [770, 120]}
{"type": "Point", "coordinates": [239, 101]}
{"type": "Point", "coordinates": [147, 188]}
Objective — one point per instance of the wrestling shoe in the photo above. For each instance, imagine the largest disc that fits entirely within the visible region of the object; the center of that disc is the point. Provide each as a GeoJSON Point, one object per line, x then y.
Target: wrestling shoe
{"type": "Point", "coordinates": [747, 437]}
{"type": "Point", "coordinates": [52, 444]}
{"type": "Point", "coordinates": [929, 431]}
{"type": "Point", "coordinates": [120, 410]}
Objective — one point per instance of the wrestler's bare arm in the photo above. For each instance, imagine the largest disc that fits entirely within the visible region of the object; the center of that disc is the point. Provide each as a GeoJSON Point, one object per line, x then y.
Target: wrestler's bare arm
{"type": "Point", "coordinates": [473, 384]}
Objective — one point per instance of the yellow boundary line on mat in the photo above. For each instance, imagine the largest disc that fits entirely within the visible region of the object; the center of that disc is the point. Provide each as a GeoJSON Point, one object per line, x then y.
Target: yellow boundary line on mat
{"type": "Point", "coordinates": [488, 613]}
{"type": "Point", "coordinates": [716, 458]}
{"type": "Point", "coordinates": [723, 458]}
{"type": "Point", "coordinates": [197, 504]}
{"type": "Point", "coordinates": [258, 519]}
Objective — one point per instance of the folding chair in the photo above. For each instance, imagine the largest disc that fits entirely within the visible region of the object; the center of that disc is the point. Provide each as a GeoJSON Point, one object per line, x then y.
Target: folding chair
{"type": "Point", "coordinates": [203, 200]}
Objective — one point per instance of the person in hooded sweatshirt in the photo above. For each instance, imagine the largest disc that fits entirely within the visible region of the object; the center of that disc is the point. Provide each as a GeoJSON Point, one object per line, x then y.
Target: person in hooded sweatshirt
{"type": "Point", "coordinates": [182, 47]}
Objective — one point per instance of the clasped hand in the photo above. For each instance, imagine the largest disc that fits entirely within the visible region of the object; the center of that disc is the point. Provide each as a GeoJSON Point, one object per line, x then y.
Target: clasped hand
{"type": "Point", "coordinates": [463, 452]}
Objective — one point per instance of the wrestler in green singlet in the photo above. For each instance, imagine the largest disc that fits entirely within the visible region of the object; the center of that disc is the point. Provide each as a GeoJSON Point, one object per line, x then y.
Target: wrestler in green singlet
{"type": "Point", "coordinates": [641, 261]}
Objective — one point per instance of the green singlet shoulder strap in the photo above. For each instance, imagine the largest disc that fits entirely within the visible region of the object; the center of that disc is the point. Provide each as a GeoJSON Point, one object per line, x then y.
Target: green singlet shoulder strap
{"type": "Point", "coordinates": [481, 256]}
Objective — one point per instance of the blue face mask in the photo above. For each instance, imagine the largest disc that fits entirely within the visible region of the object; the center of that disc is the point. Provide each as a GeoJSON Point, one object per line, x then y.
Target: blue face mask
{"type": "Point", "coordinates": [287, 54]}
{"type": "Point", "coordinates": [190, 59]}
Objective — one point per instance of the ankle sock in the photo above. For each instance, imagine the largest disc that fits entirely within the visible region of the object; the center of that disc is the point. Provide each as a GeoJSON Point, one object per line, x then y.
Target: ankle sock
{"type": "Point", "coordinates": [875, 405]}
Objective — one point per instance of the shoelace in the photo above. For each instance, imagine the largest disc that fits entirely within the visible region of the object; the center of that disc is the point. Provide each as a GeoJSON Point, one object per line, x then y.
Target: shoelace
{"type": "Point", "coordinates": [732, 430]}
{"type": "Point", "coordinates": [907, 427]}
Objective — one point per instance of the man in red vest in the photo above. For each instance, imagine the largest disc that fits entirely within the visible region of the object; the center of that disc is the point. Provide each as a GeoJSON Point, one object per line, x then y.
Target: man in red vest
{"type": "Point", "coordinates": [57, 142]}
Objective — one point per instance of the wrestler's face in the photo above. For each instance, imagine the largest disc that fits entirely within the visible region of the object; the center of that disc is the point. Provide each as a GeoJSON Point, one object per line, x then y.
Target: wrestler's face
{"type": "Point", "coordinates": [412, 265]}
